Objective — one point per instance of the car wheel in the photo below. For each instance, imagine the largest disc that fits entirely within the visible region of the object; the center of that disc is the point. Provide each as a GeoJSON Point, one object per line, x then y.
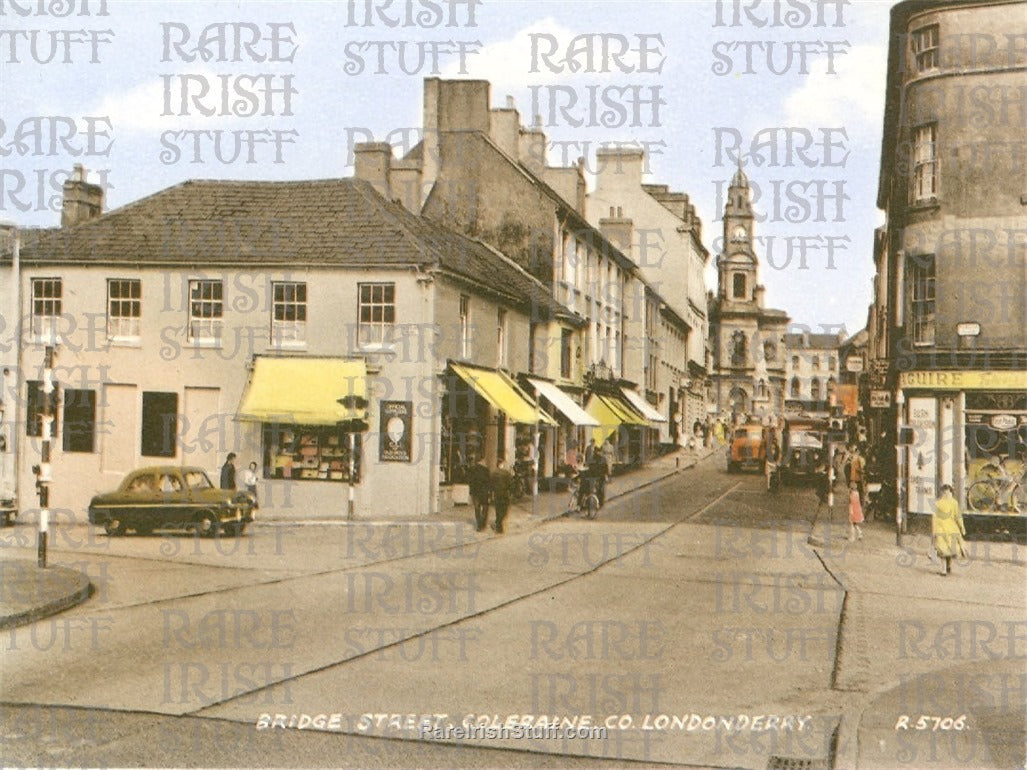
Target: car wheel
{"type": "Point", "coordinates": [207, 524]}
{"type": "Point", "coordinates": [114, 526]}
{"type": "Point", "coordinates": [144, 530]}
{"type": "Point", "coordinates": [234, 529]}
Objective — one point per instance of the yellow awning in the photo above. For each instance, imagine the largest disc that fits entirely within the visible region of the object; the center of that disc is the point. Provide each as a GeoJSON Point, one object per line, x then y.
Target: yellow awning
{"type": "Point", "coordinates": [304, 391]}
{"type": "Point", "coordinates": [611, 412]}
{"type": "Point", "coordinates": [503, 394]}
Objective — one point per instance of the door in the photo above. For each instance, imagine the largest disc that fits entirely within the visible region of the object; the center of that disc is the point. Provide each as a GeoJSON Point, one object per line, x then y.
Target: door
{"type": "Point", "coordinates": [118, 433]}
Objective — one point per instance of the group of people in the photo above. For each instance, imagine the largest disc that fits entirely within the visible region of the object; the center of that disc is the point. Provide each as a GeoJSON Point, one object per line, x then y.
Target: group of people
{"type": "Point", "coordinates": [490, 487]}
{"type": "Point", "coordinates": [249, 477]}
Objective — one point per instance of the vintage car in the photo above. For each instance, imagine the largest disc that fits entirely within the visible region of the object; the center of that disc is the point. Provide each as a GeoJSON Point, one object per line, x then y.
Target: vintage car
{"type": "Point", "coordinates": [748, 448]}
{"type": "Point", "coordinates": [804, 451]}
{"type": "Point", "coordinates": [169, 497]}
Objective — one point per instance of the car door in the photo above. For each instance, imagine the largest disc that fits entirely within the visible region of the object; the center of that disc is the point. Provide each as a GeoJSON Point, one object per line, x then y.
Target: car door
{"type": "Point", "coordinates": [172, 498]}
{"type": "Point", "coordinates": [137, 500]}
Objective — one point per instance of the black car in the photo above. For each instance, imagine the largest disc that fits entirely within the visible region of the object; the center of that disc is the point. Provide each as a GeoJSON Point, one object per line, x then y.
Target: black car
{"type": "Point", "coordinates": [169, 497]}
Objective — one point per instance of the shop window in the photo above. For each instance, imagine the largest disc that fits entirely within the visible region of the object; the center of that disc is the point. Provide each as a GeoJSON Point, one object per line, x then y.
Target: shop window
{"type": "Point", "coordinates": [309, 453]}
{"type": "Point", "coordinates": [79, 420]}
{"type": "Point", "coordinates": [376, 313]}
{"type": "Point", "coordinates": [124, 308]}
{"type": "Point", "coordinates": [925, 162]}
{"type": "Point", "coordinates": [922, 308]}
{"type": "Point", "coordinates": [34, 409]}
{"type": "Point", "coordinates": [46, 307]}
{"type": "Point", "coordinates": [925, 48]}
{"type": "Point", "coordinates": [159, 423]}
{"type": "Point", "coordinates": [206, 310]}
{"type": "Point", "coordinates": [288, 312]}
{"type": "Point", "coordinates": [995, 432]}
{"type": "Point", "coordinates": [566, 343]}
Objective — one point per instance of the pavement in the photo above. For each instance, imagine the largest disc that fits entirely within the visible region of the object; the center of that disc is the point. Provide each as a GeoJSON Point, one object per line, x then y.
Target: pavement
{"type": "Point", "coordinates": [29, 592]}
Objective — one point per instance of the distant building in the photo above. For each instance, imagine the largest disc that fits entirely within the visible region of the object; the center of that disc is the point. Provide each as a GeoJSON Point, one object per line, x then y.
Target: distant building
{"type": "Point", "coordinates": [948, 335]}
{"type": "Point", "coordinates": [747, 340]}
{"type": "Point", "coordinates": [812, 372]}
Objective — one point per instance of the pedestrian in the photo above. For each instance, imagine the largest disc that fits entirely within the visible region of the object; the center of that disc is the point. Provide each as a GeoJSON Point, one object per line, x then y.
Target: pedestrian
{"type": "Point", "coordinates": [822, 485]}
{"type": "Point", "coordinates": [947, 528]}
{"type": "Point", "coordinates": [857, 472]}
{"type": "Point", "coordinates": [228, 472]}
{"type": "Point", "coordinates": [855, 513]}
{"type": "Point", "coordinates": [249, 481]}
{"type": "Point", "coordinates": [771, 466]}
{"type": "Point", "coordinates": [502, 485]}
{"type": "Point", "coordinates": [608, 456]}
{"type": "Point", "coordinates": [479, 483]}
{"type": "Point", "coordinates": [590, 451]}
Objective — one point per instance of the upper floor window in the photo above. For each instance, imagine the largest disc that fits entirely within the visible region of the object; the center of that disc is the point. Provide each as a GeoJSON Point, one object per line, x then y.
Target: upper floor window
{"type": "Point", "coordinates": [814, 389]}
{"type": "Point", "coordinates": [925, 162]}
{"type": "Point", "coordinates": [795, 362]}
{"type": "Point", "coordinates": [288, 312]}
{"type": "Point", "coordinates": [206, 309]}
{"type": "Point", "coordinates": [465, 326]}
{"type": "Point", "coordinates": [738, 286]}
{"type": "Point", "coordinates": [501, 337]}
{"type": "Point", "coordinates": [769, 350]}
{"type": "Point", "coordinates": [816, 362]}
{"type": "Point", "coordinates": [124, 308]}
{"type": "Point", "coordinates": [921, 282]}
{"type": "Point", "coordinates": [738, 349]}
{"type": "Point", "coordinates": [46, 306]}
{"type": "Point", "coordinates": [832, 363]}
{"type": "Point", "coordinates": [795, 387]}
{"type": "Point", "coordinates": [566, 344]}
{"type": "Point", "coordinates": [376, 313]}
{"type": "Point", "coordinates": [925, 48]}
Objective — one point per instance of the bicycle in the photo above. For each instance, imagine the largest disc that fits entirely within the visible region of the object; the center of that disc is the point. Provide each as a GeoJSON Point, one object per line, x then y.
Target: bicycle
{"type": "Point", "coordinates": [984, 495]}
{"type": "Point", "coordinates": [587, 502]}
{"type": "Point", "coordinates": [523, 473]}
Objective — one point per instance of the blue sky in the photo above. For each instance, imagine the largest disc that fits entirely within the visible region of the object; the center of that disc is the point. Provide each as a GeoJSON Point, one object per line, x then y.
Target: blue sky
{"type": "Point", "coordinates": [697, 68]}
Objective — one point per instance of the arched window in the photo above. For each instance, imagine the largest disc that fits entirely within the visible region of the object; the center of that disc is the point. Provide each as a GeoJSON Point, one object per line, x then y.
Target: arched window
{"type": "Point", "coordinates": [795, 387]}
{"type": "Point", "coordinates": [738, 286]}
{"type": "Point", "coordinates": [738, 352]}
{"type": "Point", "coordinates": [761, 389]}
{"type": "Point", "coordinates": [814, 389]}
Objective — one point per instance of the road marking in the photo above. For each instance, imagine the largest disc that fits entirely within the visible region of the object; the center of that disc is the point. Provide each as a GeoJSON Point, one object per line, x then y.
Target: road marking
{"type": "Point", "coordinates": [712, 503]}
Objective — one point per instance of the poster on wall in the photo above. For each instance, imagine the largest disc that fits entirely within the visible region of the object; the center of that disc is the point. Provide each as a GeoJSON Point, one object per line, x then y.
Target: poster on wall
{"type": "Point", "coordinates": [395, 432]}
{"type": "Point", "coordinates": [923, 457]}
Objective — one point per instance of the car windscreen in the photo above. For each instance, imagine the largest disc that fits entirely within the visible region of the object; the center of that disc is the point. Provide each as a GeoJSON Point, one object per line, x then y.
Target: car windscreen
{"type": "Point", "coordinates": [197, 480]}
{"type": "Point", "coordinates": [805, 440]}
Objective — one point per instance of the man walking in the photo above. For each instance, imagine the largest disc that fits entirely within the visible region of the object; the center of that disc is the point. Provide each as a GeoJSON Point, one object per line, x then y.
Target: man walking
{"type": "Point", "coordinates": [502, 486]}
{"type": "Point", "coordinates": [478, 482]}
{"type": "Point", "coordinates": [228, 472]}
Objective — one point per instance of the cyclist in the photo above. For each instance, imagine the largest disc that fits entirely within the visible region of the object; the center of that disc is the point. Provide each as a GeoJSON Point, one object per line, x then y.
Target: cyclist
{"type": "Point", "coordinates": [592, 479]}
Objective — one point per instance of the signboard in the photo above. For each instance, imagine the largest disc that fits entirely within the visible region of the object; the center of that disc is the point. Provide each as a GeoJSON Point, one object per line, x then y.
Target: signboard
{"type": "Point", "coordinates": [394, 436]}
{"type": "Point", "coordinates": [923, 457]}
{"type": "Point", "coordinates": [854, 364]}
{"type": "Point", "coordinates": [848, 397]}
{"type": "Point", "coordinates": [963, 380]}
{"type": "Point", "coordinates": [880, 399]}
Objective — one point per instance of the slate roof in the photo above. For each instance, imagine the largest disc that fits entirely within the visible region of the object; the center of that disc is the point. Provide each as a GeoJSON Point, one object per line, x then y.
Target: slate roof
{"type": "Point", "coordinates": [315, 223]}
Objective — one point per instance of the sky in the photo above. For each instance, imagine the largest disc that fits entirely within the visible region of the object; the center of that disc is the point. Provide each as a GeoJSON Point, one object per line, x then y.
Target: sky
{"type": "Point", "coordinates": [140, 92]}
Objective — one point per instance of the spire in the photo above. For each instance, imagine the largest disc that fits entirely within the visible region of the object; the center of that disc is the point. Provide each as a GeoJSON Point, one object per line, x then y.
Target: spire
{"type": "Point", "coordinates": [740, 179]}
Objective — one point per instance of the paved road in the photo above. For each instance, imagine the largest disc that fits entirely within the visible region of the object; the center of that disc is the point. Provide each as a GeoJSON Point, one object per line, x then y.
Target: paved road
{"type": "Point", "coordinates": [695, 599]}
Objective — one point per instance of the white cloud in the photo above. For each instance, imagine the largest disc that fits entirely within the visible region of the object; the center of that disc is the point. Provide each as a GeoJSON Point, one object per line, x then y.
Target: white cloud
{"type": "Point", "coordinates": [855, 91]}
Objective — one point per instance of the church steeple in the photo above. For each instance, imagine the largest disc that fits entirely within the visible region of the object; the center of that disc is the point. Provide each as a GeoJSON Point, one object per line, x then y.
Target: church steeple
{"type": "Point", "coordinates": [737, 273]}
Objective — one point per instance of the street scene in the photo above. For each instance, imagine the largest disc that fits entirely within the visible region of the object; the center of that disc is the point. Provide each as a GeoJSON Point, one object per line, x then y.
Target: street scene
{"type": "Point", "coordinates": [485, 383]}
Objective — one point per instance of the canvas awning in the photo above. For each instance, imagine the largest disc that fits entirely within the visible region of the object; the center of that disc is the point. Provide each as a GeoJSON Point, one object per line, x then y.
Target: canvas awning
{"type": "Point", "coordinates": [564, 403]}
{"type": "Point", "coordinates": [304, 391]}
{"type": "Point", "coordinates": [611, 412]}
{"type": "Point", "coordinates": [647, 410]}
{"type": "Point", "coordinates": [503, 394]}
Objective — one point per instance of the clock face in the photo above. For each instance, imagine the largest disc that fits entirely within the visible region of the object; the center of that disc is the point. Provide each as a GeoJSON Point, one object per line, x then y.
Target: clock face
{"type": "Point", "coordinates": [740, 234]}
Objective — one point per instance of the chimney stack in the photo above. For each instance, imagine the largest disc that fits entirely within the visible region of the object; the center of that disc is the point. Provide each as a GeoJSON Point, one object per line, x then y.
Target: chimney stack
{"type": "Point", "coordinates": [82, 201]}
{"type": "Point", "coordinates": [372, 162]}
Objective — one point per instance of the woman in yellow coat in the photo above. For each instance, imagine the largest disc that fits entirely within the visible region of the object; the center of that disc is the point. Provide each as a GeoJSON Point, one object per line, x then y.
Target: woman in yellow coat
{"type": "Point", "coordinates": [947, 528]}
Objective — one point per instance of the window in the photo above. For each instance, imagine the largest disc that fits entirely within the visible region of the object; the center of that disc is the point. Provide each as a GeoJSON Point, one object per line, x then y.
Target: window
{"type": "Point", "coordinates": [761, 389]}
{"type": "Point", "coordinates": [501, 337]}
{"type": "Point", "coordinates": [46, 307]}
{"type": "Point", "coordinates": [34, 409]}
{"type": "Point", "coordinates": [738, 286]}
{"type": "Point", "coordinates": [376, 313]}
{"type": "Point", "coordinates": [288, 312]}
{"type": "Point", "coordinates": [925, 162]}
{"type": "Point", "coordinates": [769, 350]}
{"type": "Point", "coordinates": [921, 281]}
{"type": "Point", "coordinates": [566, 343]}
{"type": "Point", "coordinates": [124, 308]}
{"type": "Point", "coordinates": [925, 48]}
{"type": "Point", "coordinates": [795, 362]}
{"type": "Point", "coordinates": [814, 389]}
{"type": "Point", "coordinates": [816, 362]}
{"type": "Point", "coordinates": [796, 388]}
{"type": "Point", "coordinates": [738, 349]}
{"type": "Point", "coordinates": [832, 363]}
{"type": "Point", "coordinates": [79, 420]}
{"type": "Point", "coordinates": [160, 420]}
{"type": "Point", "coordinates": [465, 326]}
{"type": "Point", "coordinates": [309, 453]}
{"type": "Point", "coordinates": [206, 307]}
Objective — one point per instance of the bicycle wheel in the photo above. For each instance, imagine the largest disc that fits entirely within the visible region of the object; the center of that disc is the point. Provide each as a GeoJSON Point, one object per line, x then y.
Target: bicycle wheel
{"type": "Point", "coordinates": [591, 507]}
{"type": "Point", "coordinates": [981, 496]}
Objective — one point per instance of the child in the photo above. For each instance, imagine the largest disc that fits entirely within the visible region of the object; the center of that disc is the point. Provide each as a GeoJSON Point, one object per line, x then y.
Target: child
{"type": "Point", "coordinates": [855, 512]}
{"type": "Point", "coordinates": [249, 480]}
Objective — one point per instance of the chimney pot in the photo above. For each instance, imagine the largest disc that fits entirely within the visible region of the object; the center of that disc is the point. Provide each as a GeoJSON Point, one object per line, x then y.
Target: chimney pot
{"type": "Point", "coordinates": [82, 201]}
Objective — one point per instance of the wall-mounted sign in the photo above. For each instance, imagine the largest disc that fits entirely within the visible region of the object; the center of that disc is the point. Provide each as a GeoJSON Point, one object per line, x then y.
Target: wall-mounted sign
{"type": "Point", "coordinates": [395, 434]}
{"type": "Point", "coordinates": [854, 364]}
{"type": "Point", "coordinates": [968, 329]}
{"type": "Point", "coordinates": [1003, 422]}
{"type": "Point", "coordinates": [963, 380]}
{"type": "Point", "coordinates": [880, 399]}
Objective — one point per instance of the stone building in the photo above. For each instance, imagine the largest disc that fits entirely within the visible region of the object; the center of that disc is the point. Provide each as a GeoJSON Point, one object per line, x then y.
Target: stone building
{"type": "Point", "coordinates": [812, 372]}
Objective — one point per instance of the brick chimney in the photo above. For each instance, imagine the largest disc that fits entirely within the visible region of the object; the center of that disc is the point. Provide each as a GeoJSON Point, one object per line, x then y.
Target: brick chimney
{"type": "Point", "coordinates": [82, 201]}
{"type": "Point", "coordinates": [373, 163]}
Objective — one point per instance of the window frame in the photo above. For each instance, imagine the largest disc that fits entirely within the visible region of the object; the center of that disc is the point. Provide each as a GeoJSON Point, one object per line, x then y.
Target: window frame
{"type": "Point", "coordinates": [566, 356]}
{"type": "Point", "coordinates": [464, 311]}
{"type": "Point", "coordinates": [501, 337]}
{"type": "Point", "coordinates": [79, 413]}
{"type": "Point", "coordinates": [925, 182]}
{"type": "Point", "coordinates": [739, 279]}
{"type": "Point", "coordinates": [121, 302]}
{"type": "Point", "coordinates": [382, 329]}
{"type": "Point", "coordinates": [925, 46]}
{"type": "Point", "coordinates": [210, 325]}
{"type": "Point", "coordinates": [43, 325]}
{"type": "Point", "coordinates": [922, 282]}
{"type": "Point", "coordinates": [34, 409]}
{"type": "Point", "coordinates": [287, 332]}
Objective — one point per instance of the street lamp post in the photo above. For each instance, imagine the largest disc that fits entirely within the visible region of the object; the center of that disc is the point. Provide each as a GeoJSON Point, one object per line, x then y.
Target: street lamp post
{"type": "Point", "coordinates": [900, 467]}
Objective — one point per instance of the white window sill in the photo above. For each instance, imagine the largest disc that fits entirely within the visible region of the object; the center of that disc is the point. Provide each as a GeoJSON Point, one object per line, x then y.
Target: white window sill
{"type": "Point", "coordinates": [125, 342]}
{"type": "Point", "coordinates": [287, 345]}
{"type": "Point", "coordinates": [208, 343]}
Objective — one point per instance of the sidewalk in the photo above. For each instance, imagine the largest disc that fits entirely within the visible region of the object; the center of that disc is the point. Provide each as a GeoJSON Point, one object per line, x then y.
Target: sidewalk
{"type": "Point", "coordinates": [29, 592]}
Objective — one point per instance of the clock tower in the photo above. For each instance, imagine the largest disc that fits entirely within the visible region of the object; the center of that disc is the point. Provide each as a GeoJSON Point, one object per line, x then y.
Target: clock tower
{"type": "Point", "coordinates": [737, 276]}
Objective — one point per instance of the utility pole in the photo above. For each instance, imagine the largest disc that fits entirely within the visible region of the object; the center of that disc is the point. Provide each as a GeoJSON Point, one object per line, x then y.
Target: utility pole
{"type": "Point", "coordinates": [43, 477]}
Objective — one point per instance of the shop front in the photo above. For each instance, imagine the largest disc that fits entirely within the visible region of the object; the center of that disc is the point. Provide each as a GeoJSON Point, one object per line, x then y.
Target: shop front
{"type": "Point", "coordinates": [659, 428]}
{"type": "Point", "coordinates": [619, 424]}
{"type": "Point", "coordinates": [969, 429]}
{"type": "Point", "coordinates": [561, 445]}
